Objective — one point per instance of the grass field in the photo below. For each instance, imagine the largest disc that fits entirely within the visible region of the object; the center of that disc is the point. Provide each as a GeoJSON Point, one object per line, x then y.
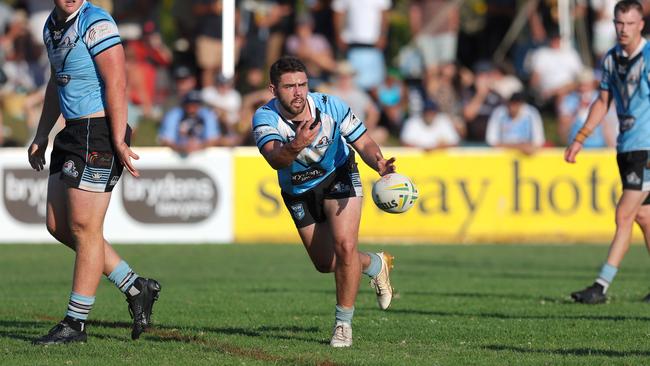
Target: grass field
{"type": "Point", "coordinates": [257, 305]}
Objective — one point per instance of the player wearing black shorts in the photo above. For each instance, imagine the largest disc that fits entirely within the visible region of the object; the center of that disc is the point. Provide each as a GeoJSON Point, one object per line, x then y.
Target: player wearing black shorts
{"type": "Point", "coordinates": [87, 86]}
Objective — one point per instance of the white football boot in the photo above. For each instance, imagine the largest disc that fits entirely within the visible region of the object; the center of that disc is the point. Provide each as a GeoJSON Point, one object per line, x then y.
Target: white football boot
{"type": "Point", "coordinates": [381, 282]}
{"type": "Point", "coordinates": [342, 335]}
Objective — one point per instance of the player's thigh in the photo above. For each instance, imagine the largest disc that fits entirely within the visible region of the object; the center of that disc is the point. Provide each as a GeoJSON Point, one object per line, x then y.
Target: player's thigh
{"type": "Point", "coordinates": [630, 203]}
{"type": "Point", "coordinates": [343, 215]}
{"type": "Point", "coordinates": [57, 210]}
{"type": "Point", "coordinates": [86, 209]}
{"type": "Point", "coordinates": [319, 244]}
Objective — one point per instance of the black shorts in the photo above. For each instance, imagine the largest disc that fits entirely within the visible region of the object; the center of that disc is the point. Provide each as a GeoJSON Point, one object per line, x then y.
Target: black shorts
{"type": "Point", "coordinates": [634, 169]}
{"type": "Point", "coordinates": [307, 208]}
{"type": "Point", "coordinates": [84, 154]}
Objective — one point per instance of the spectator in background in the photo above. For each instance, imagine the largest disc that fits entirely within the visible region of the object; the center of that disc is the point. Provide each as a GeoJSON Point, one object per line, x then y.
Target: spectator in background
{"type": "Point", "coordinates": [435, 24]}
{"type": "Point", "coordinates": [208, 40]}
{"type": "Point", "coordinates": [391, 95]}
{"type": "Point", "coordinates": [573, 111]}
{"type": "Point", "coordinates": [227, 103]}
{"type": "Point", "coordinates": [190, 127]}
{"type": "Point", "coordinates": [146, 55]}
{"type": "Point", "coordinates": [604, 35]}
{"type": "Point", "coordinates": [184, 81]}
{"type": "Point", "coordinates": [479, 101]}
{"type": "Point", "coordinates": [358, 100]}
{"type": "Point", "coordinates": [362, 31]}
{"type": "Point", "coordinates": [553, 69]}
{"type": "Point", "coordinates": [516, 125]}
{"type": "Point", "coordinates": [430, 130]}
{"type": "Point", "coordinates": [313, 49]}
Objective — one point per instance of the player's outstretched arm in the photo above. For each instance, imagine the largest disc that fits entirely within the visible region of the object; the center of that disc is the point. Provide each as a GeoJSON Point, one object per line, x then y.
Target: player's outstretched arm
{"type": "Point", "coordinates": [49, 115]}
{"type": "Point", "coordinates": [597, 112]}
{"type": "Point", "coordinates": [372, 156]}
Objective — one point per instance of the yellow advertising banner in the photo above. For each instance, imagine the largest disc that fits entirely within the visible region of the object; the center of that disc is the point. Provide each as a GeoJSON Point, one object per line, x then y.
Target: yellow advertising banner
{"type": "Point", "coordinates": [466, 195]}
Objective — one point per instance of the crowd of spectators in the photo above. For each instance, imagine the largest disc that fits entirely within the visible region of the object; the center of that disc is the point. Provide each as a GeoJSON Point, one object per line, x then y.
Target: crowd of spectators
{"type": "Point", "coordinates": [422, 73]}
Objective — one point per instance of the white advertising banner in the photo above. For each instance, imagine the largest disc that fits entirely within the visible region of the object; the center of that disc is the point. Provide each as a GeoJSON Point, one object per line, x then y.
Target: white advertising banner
{"type": "Point", "coordinates": [175, 200]}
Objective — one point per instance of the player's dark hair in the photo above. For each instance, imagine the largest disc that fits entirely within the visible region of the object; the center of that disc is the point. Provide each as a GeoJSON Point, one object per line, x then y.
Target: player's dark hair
{"type": "Point", "coordinates": [624, 6]}
{"type": "Point", "coordinates": [283, 65]}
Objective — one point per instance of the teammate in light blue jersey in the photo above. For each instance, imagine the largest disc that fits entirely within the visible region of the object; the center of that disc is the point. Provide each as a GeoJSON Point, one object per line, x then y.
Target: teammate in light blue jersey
{"type": "Point", "coordinates": [305, 137]}
{"type": "Point", "coordinates": [626, 73]}
{"type": "Point", "coordinates": [88, 87]}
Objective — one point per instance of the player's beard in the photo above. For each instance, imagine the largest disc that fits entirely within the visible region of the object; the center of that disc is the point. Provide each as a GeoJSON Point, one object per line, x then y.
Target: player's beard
{"type": "Point", "coordinates": [292, 108]}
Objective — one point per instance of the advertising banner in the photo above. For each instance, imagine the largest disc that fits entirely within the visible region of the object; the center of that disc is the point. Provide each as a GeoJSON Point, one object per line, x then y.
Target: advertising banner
{"type": "Point", "coordinates": [465, 195]}
{"type": "Point", "coordinates": [175, 200]}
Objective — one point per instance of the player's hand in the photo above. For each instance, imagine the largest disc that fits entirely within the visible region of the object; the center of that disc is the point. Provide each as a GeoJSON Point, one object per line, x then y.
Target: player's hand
{"type": "Point", "coordinates": [306, 132]}
{"type": "Point", "coordinates": [36, 153]}
{"type": "Point", "coordinates": [572, 151]}
{"type": "Point", "coordinates": [124, 154]}
{"type": "Point", "coordinates": [385, 166]}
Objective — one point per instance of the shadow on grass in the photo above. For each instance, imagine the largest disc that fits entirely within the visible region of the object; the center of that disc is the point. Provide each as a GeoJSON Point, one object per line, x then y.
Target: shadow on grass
{"type": "Point", "coordinates": [613, 318]}
{"type": "Point", "coordinates": [570, 351]}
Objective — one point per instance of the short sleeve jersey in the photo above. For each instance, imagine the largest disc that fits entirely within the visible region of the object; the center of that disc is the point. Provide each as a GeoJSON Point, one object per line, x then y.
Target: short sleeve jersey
{"type": "Point", "coordinates": [329, 150]}
{"type": "Point", "coordinates": [626, 78]}
{"type": "Point", "coordinates": [71, 47]}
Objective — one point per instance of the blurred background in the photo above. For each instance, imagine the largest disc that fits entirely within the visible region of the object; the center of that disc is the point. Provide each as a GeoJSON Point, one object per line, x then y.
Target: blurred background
{"type": "Point", "coordinates": [462, 59]}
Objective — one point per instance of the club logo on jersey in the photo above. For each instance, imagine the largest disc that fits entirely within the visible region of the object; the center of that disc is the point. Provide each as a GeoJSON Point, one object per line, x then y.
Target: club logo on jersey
{"type": "Point", "coordinates": [69, 169]}
{"type": "Point", "coordinates": [57, 34]}
{"type": "Point", "coordinates": [298, 211]}
{"type": "Point", "coordinates": [67, 43]}
{"type": "Point", "coordinates": [633, 178]}
{"type": "Point", "coordinates": [63, 79]}
{"type": "Point", "coordinates": [323, 142]}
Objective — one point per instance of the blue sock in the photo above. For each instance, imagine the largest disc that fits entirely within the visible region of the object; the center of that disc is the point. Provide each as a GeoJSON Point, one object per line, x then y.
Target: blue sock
{"type": "Point", "coordinates": [344, 314]}
{"type": "Point", "coordinates": [79, 306]}
{"type": "Point", "coordinates": [375, 265]}
{"type": "Point", "coordinates": [606, 276]}
{"type": "Point", "coordinates": [123, 276]}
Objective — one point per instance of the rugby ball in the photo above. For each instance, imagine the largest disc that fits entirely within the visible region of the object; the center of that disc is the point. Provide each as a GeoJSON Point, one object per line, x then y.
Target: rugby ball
{"type": "Point", "coordinates": [394, 193]}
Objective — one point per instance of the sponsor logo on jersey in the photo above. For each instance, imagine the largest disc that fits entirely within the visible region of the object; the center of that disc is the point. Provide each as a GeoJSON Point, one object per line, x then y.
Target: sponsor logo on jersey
{"type": "Point", "coordinates": [100, 31]}
{"type": "Point", "coordinates": [69, 169]}
{"type": "Point", "coordinates": [298, 211]}
{"type": "Point", "coordinates": [307, 175]}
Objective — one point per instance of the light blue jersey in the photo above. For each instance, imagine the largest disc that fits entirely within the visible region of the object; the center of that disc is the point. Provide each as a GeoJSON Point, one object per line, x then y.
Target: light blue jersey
{"type": "Point", "coordinates": [71, 47]}
{"type": "Point", "coordinates": [329, 150]}
{"type": "Point", "coordinates": [626, 78]}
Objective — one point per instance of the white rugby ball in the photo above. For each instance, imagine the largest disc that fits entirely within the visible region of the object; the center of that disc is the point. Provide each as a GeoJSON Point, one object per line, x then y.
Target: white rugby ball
{"type": "Point", "coordinates": [394, 193]}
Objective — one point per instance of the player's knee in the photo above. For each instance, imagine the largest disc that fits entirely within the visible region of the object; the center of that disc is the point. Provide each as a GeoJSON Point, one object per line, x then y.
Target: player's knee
{"type": "Point", "coordinates": [624, 217]}
{"type": "Point", "coordinates": [643, 218]}
{"type": "Point", "coordinates": [346, 250]}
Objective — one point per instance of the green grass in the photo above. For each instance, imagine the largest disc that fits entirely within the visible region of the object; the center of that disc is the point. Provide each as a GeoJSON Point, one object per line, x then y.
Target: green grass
{"type": "Point", "coordinates": [257, 305]}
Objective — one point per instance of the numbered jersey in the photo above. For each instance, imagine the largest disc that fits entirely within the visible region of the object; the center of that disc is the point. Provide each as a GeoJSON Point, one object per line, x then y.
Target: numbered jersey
{"type": "Point", "coordinates": [329, 150]}
{"type": "Point", "coordinates": [626, 78]}
{"type": "Point", "coordinates": [71, 47]}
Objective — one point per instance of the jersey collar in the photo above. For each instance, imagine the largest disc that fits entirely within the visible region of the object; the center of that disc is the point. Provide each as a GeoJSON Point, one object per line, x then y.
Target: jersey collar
{"type": "Point", "coordinates": [53, 19]}
{"type": "Point", "coordinates": [636, 51]}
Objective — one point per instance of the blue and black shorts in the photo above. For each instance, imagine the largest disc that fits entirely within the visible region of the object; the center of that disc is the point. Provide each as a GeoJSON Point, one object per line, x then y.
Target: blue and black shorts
{"type": "Point", "coordinates": [83, 153]}
{"type": "Point", "coordinates": [307, 208]}
{"type": "Point", "coordinates": [634, 169]}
